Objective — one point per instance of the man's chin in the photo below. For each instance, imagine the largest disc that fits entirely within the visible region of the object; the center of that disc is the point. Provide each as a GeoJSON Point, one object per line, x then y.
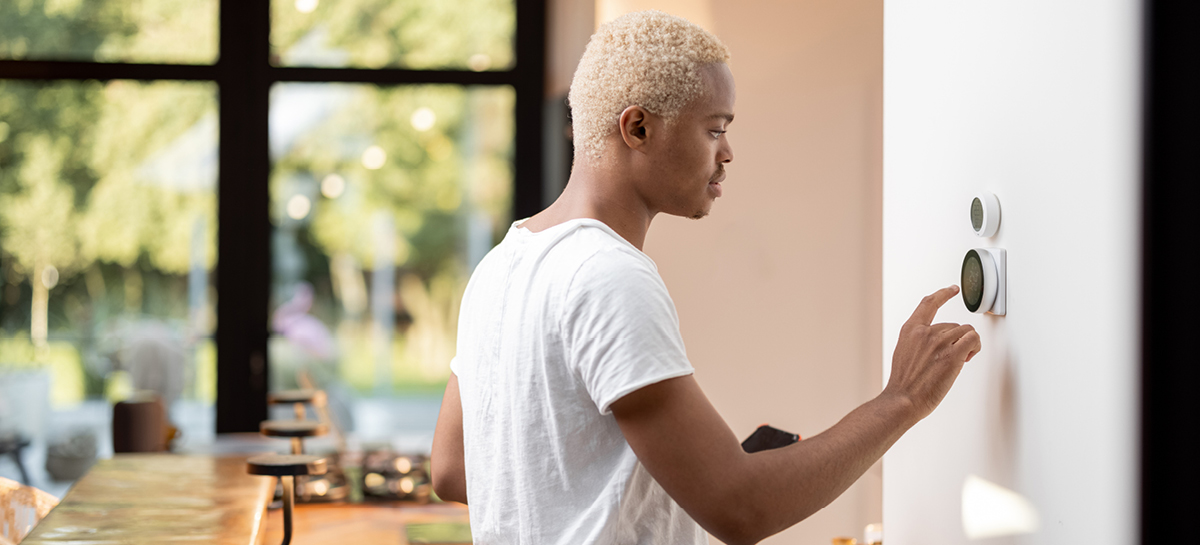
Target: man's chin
{"type": "Point", "coordinates": [701, 209]}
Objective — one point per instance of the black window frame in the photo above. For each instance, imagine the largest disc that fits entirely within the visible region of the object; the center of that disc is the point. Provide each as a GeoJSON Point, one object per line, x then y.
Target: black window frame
{"type": "Point", "coordinates": [244, 75]}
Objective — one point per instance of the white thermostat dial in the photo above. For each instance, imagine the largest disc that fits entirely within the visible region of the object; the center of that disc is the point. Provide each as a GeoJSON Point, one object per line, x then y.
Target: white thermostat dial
{"type": "Point", "coordinates": [985, 214]}
{"type": "Point", "coordinates": [983, 280]}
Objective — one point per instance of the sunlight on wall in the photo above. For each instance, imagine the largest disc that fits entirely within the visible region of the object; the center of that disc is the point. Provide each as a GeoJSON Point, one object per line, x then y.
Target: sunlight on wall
{"type": "Point", "coordinates": [990, 510]}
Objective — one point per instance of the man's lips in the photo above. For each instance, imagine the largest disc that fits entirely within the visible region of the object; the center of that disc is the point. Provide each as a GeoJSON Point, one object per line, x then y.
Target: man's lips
{"type": "Point", "coordinates": [715, 183]}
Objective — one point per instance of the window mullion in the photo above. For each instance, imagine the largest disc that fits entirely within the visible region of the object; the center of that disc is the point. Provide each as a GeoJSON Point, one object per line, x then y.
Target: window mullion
{"type": "Point", "coordinates": [62, 70]}
{"type": "Point", "coordinates": [530, 87]}
{"type": "Point", "coordinates": [244, 230]}
{"type": "Point", "coordinates": [392, 76]}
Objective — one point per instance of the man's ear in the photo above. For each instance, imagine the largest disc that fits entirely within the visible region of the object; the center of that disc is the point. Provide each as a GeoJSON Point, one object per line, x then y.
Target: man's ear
{"type": "Point", "coordinates": [635, 126]}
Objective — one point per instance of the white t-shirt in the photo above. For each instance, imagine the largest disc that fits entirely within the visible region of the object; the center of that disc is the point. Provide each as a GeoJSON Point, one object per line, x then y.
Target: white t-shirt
{"type": "Point", "coordinates": [555, 326]}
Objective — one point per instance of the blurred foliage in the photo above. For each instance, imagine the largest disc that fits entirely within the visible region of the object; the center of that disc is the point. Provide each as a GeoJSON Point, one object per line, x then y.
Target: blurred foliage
{"type": "Point", "coordinates": [433, 181]}
{"type": "Point", "coordinates": [87, 186]}
{"type": "Point", "coordinates": [73, 197]}
{"type": "Point", "coordinates": [75, 193]}
{"type": "Point", "coordinates": [142, 31]}
{"type": "Point", "coordinates": [131, 214]}
{"type": "Point", "coordinates": [416, 34]}
{"type": "Point", "coordinates": [60, 359]}
{"type": "Point", "coordinates": [426, 181]}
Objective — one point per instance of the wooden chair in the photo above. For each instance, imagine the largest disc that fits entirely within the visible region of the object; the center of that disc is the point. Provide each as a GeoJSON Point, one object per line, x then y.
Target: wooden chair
{"type": "Point", "coordinates": [21, 508]}
{"type": "Point", "coordinates": [286, 467]}
{"type": "Point", "coordinates": [296, 430]}
{"type": "Point", "coordinates": [298, 399]}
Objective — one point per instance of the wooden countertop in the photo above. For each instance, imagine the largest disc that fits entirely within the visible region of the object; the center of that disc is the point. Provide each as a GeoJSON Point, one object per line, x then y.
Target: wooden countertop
{"type": "Point", "coordinates": [159, 498]}
{"type": "Point", "coordinates": [364, 523]}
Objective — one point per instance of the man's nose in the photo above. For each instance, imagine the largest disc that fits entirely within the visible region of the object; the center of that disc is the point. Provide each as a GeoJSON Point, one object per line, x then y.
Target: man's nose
{"type": "Point", "coordinates": [726, 152]}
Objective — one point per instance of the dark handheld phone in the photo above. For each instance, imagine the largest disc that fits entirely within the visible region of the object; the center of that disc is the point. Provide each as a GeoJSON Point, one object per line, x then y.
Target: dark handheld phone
{"type": "Point", "coordinates": [767, 438]}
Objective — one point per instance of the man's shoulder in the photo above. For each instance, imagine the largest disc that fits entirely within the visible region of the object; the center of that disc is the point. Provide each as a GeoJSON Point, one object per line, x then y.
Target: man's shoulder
{"type": "Point", "coordinates": [615, 272]}
{"type": "Point", "coordinates": [601, 252]}
{"type": "Point", "coordinates": [587, 243]}
{"type": "Point", "coordinates": [578, 253]}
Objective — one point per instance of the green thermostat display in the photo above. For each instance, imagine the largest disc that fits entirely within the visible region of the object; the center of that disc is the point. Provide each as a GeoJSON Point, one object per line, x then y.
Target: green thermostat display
{"type": "Point", "coordinates": [977, 214]}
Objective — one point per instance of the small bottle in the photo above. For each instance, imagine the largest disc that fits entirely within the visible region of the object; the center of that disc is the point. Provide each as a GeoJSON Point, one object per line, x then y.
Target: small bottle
{"type": "Point", "coordinates": [845, 541]}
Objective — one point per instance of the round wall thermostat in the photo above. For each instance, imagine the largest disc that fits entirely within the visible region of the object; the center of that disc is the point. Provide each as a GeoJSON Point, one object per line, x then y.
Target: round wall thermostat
{"type": "Point", "coordinates": [985, 214]}
{"type": "Point", "coordinates": [983, 280]}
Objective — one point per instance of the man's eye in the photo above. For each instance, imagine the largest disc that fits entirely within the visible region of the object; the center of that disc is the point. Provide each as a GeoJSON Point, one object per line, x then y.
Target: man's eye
{"type": "Point", "coordinates": [716, 134]}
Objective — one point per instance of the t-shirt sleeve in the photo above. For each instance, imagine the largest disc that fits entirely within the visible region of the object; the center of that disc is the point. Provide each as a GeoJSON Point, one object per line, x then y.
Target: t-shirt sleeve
{"type": "Point", "coordinates": [620, 329]}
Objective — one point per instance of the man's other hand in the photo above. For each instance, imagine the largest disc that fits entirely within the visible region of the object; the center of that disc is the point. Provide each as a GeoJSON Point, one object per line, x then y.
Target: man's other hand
{"type": "Point", "coordinates": [929, 356]}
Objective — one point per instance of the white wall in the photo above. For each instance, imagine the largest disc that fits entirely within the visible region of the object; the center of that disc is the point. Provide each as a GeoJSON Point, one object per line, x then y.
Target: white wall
{"type": "Point", "coordinates": [1037, 102]}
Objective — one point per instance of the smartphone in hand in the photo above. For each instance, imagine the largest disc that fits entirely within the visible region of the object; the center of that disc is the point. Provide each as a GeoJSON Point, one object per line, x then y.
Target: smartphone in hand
{"type": "Point", "coordinates": [767, 437]}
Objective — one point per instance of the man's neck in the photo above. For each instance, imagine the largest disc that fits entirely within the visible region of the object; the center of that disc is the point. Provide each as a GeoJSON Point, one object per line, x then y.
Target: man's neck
{"type": "Point", "coordinates": [602, 194]}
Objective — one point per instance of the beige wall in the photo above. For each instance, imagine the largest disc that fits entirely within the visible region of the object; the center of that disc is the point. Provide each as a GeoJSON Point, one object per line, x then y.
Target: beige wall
{"type": "Point", "coordinates": [569, 24]}
{"type": "Point", "coordinates": [696, 11]}
{"type": "Point", "coordinates": [779, 290]}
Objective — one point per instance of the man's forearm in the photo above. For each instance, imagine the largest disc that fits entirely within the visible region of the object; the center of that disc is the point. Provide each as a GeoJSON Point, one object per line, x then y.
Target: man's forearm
{"type": "Point", "coordinates": [784, 486]}
{"type": "Point", "coordinates": [739, 497]}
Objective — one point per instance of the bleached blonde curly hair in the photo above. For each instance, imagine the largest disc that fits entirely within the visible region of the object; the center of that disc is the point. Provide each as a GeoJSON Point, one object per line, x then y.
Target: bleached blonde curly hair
{"type": "Point", "coordinates": [646, 58]}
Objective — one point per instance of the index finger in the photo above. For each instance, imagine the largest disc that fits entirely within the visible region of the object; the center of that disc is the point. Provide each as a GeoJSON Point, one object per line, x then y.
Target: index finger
{"type": "Point", "coordinates": [930, 304]}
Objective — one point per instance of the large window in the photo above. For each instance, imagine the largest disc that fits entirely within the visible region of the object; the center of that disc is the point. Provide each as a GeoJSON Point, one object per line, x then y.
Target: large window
{"type": "Point", "coordinates": [113, 31]}
{"type": "Point", "coordinates": [211, 199]}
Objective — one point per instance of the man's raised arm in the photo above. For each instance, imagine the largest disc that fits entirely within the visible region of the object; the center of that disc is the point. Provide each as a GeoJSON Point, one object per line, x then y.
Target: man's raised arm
{"type": "Point", "coordinates": [742, 498]}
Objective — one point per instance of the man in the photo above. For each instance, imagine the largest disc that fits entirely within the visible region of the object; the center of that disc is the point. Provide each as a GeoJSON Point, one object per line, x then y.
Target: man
{"type": "Point", "coordinates": [572, 416]}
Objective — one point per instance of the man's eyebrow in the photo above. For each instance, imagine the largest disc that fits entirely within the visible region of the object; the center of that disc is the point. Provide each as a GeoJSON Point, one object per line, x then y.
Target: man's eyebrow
{"type": "Point", "coordinates": [727, 117]}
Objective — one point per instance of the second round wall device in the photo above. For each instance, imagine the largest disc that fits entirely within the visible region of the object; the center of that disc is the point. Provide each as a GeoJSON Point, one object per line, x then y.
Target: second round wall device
{"type": "Point", "coordinates": [985, 214]}
{"type": "Point", "coordinates": [983, 280]}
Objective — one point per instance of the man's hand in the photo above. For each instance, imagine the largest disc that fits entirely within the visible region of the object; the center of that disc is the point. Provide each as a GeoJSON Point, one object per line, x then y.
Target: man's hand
{"type": "Point", "coordinates": [929, 356]}
{"type": "Point", "coordinates": [742, 498]}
